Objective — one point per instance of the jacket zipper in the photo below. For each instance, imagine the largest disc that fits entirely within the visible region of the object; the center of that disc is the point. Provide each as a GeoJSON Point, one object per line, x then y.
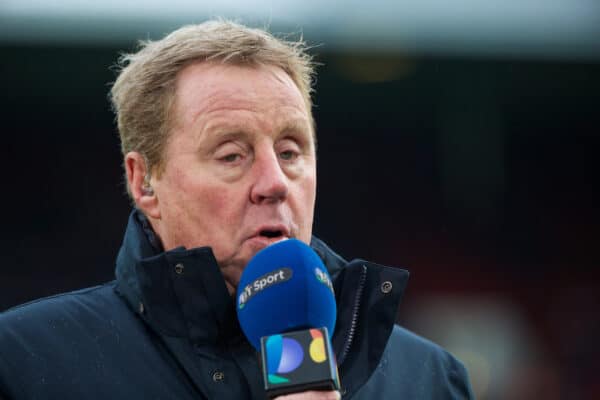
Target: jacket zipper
{"type": "Point", "coordinates": [354, 321]}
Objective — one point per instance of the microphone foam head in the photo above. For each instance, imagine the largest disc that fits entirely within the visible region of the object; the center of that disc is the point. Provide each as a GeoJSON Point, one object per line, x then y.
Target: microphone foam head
{"type": "Point", "coordinates": [284, 287]}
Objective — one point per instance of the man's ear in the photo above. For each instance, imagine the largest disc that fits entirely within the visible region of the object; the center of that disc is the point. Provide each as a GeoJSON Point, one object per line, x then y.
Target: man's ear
{"type": "Point", "coordinates": [139, 185]}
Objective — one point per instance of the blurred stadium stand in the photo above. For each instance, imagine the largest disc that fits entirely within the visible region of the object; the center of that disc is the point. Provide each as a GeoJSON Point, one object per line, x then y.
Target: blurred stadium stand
{"type": "Point", "coordinates": [458, 140]}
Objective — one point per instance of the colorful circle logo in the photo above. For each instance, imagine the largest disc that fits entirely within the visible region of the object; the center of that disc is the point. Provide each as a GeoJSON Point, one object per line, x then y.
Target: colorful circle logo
{"type": "Point", "coordinates": [283, 356]}
{"type": "Point", "coordinates": [317, 347]}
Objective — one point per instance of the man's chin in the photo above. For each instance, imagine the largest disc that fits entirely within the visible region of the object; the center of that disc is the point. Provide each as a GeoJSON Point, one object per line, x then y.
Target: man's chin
{"type": "Point", "coordinates": [233, 269]}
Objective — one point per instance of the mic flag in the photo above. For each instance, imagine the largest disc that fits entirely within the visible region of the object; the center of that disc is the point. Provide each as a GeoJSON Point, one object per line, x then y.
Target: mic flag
{"type": "Point", "coordinates": [286, 308]}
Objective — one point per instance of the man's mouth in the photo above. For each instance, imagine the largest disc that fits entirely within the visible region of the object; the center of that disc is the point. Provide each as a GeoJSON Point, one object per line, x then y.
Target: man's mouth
{"type": "Point", "coordinates": [269, 234]}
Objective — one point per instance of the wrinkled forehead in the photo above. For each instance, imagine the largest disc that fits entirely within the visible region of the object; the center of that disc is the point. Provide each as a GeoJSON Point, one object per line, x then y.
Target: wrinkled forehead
{"type": "Point", "coordinates": [206, 87]}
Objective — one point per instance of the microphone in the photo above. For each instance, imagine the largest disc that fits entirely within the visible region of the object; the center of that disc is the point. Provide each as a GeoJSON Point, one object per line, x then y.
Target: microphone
{"type": "Point", "coordinates": [286, 308]}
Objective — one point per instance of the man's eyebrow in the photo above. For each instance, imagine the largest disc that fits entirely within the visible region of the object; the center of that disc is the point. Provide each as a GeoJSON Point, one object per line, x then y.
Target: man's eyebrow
{"type": "Point", "coordinates": [229, 134]}
{"type": "Point", "coordinates": [226, 131]}
{"type": "Point", "coordinates": [222, 133]}
{"type": "Point", "coordinates": [297, 125]}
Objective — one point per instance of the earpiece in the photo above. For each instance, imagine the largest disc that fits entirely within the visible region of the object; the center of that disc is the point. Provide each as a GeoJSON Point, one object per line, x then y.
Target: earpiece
{"type": "Point", "coordinates": [147, 189]}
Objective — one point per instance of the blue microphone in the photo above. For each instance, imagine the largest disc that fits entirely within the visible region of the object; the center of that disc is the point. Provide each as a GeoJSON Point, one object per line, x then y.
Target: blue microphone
{"type": "Point", "coordinates": [286, 308]}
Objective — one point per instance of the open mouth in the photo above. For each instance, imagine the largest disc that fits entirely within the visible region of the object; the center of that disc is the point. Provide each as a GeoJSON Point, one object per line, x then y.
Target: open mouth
{"type": "Point", "coordinates": [271, 233]}
{"type": "Point", "coordinates": [268, 234]}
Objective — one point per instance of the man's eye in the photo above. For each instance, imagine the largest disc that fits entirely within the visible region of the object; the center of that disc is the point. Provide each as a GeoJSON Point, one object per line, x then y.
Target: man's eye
{"type": "Point", "coordinates": [288, 155]}
{"type": "Point", "coordinates": [231, 158]}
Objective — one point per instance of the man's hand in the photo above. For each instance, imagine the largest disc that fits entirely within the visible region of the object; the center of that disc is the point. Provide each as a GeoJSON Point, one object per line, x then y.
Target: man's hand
{"type": "Point", "coordinates": [312, 395]}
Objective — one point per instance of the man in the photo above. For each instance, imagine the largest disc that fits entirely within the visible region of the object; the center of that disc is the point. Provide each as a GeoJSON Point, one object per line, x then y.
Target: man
{"type": "Point", "coordinates": [219, 153]}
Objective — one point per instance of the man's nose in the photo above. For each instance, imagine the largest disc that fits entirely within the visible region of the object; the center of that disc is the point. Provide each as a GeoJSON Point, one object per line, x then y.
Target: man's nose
{"type": "Point", "coordinates": [270, 181]}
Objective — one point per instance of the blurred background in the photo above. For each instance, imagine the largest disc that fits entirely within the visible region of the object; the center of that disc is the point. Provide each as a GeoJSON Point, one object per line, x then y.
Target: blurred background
{"type": "Point", "coordinates": [457, 140]}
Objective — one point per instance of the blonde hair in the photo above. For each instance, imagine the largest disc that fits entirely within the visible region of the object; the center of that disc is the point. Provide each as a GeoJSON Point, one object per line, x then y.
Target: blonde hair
{"type": "Point", "coordinates": [144, 91]}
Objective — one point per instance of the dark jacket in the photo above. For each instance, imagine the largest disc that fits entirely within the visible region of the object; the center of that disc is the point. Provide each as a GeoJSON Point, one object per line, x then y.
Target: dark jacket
{"type": "Point", "coordinates": [166, 329]}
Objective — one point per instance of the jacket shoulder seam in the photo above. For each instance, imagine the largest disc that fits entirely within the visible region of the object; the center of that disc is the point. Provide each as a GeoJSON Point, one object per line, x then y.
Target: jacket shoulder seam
{"type": "Point", "coordinates": [74, 293]}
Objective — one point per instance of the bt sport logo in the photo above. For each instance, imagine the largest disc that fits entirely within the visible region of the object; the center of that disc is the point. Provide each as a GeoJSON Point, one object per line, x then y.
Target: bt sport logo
{"type": "Point", "coordinates": [261, 283]}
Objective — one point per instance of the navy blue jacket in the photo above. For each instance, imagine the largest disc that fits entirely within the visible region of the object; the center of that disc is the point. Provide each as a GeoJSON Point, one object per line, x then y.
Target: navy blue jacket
{"type": "Point", "coordinates": [160, 332]}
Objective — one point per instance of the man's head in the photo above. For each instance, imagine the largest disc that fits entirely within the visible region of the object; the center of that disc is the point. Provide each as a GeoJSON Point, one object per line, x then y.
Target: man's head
{"type": "Point", "coordinates": [144, 92]}
{"type": "Point", "coordinates": [218, 140]}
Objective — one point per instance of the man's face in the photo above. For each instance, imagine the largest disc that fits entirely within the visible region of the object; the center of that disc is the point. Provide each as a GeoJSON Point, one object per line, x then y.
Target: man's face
{"type": "Point", "coordinates": [240, 165]}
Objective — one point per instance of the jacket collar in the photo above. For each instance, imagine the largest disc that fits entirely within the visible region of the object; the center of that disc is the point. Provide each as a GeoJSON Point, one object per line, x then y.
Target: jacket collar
{"type": "Point", "coordinates": [181, 293]}
{"type": "Point", "coordinates": [368, 296]}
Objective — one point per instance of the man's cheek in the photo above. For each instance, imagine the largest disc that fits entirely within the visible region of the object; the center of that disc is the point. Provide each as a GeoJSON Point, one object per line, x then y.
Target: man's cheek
{"type": "Point", "coordinates": [216, 200]}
